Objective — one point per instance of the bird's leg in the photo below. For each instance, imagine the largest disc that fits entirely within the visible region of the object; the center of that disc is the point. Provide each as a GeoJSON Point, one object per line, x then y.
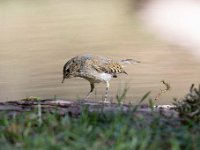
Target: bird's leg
{"type": "Point", "coordinates": [91, 90]}
{"type": "Point", "coordinates": [106, 92]}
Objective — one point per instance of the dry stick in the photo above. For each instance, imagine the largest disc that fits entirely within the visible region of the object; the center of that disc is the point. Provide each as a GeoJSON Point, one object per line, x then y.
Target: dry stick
{"type": "Point", "coordinates": [162, 91]}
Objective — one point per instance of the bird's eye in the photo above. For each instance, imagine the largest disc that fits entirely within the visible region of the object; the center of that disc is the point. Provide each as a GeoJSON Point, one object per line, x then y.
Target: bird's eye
{"type": "Point", "coordinates": [67, 71]}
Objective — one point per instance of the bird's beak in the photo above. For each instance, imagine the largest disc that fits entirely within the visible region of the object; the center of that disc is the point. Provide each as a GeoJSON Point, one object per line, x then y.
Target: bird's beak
{"type": "Point", "coordinates": [63, 80]}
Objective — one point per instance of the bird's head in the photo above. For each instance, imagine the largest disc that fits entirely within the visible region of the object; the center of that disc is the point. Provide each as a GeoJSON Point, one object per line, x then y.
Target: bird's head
{"type": "Point", "coordinates": [67, 71]}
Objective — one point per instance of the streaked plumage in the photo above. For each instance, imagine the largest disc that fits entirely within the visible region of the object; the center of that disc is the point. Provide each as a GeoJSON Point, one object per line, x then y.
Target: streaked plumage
{"type": "Point", "coordinates": [95, 69]}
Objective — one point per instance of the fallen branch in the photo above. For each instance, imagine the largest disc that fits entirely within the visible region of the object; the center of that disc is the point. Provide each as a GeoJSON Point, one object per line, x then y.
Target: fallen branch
{"type": "Point", "coordinates": [75, 108]}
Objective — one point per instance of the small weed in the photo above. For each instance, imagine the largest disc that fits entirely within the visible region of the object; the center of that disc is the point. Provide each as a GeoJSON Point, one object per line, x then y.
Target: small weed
{"type": "Point", "coordinates": [120, 97]}
{"type": "Point", "coordinates": [162, 91]}
{"type": "Point", "coordinates": [189, 107]}
{"type": "Point", "coordinates": [141, 100]}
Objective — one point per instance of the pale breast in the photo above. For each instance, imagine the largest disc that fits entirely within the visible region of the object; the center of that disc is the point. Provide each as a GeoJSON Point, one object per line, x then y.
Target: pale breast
{"type": "Point", "coordinates": [105, 76]}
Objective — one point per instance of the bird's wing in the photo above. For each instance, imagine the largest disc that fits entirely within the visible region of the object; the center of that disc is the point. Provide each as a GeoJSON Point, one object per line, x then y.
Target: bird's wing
{"type": "Point", "coordinates": [103, 64]}
{"type": "Point", "coordinates": [108, 67]}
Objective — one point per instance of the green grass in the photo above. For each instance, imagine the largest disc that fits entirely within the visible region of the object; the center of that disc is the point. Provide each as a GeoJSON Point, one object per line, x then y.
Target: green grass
{"type": "Point", "coordinates": [104, 131]}
{"type": "Point", "coordinates": [95, 131]}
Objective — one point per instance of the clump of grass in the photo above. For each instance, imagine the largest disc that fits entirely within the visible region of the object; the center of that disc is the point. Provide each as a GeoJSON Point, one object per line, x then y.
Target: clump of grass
{"type": "Point", "coordinates": [94, 131]}
{"type": "Point", "coordinates": [189, 107]}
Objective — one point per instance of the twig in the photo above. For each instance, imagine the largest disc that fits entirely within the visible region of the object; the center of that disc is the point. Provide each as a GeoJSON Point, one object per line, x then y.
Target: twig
{"type": "Point", "coordinates": [162, 91]}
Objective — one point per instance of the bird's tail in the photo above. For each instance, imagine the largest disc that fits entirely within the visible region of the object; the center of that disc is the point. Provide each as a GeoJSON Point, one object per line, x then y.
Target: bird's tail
{"type": "Point", "coordinates": [129, 61]}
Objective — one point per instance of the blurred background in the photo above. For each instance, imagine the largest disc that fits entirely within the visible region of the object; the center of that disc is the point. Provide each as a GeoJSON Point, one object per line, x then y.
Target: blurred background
{"type": "Point", "coordinates": [37, 37]}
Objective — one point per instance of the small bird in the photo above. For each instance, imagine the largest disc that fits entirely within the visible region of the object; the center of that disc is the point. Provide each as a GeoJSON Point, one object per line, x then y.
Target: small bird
{"type": "Point", "coordinates": [95, 69]}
